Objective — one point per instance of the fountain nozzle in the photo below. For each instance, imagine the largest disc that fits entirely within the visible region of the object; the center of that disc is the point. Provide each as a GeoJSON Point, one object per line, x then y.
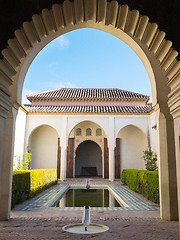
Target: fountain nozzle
{"type": "Point", "coordinates": [87, 184]}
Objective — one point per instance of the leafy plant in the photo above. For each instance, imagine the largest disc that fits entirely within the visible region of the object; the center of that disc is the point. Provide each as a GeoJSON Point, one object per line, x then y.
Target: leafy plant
{"type": "Point", "coordinates": [22, 161]}
{"type": "Point", "coordinates": [150, 159]}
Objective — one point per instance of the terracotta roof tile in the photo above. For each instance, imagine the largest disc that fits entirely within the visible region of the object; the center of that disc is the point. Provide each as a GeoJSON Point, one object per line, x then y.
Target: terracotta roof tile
{"type": "Point", "coordinates": [105, 93]}
{"type": "Point", "coordinates": [90, 109]}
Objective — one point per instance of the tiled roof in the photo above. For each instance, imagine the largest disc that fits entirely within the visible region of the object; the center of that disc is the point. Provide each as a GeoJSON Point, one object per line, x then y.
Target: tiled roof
{"type": "Point", "coordinates": [105, 93]}
{"type": "Point", "coordinates": [89, 109]}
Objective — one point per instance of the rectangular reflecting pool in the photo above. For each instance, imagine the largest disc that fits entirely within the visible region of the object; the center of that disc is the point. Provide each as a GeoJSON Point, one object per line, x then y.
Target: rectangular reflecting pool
{"type": "Point", "coordinates": [88, 198]}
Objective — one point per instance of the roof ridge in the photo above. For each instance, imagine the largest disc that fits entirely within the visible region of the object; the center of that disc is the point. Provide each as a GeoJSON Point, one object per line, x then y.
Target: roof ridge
{"type": "Point", "coordinates": [31, 105]}
{"type": "Point", "coordinates": [89, 109]}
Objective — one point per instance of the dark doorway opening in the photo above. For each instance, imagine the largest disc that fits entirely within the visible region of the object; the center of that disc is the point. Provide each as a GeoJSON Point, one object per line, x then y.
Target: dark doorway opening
{"type": "Point", "coordinates": [88, 160]}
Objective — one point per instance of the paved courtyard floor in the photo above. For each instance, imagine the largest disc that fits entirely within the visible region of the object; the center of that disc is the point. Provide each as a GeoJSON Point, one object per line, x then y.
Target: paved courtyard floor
{"type": "Point", "coordinates": [47, 224]}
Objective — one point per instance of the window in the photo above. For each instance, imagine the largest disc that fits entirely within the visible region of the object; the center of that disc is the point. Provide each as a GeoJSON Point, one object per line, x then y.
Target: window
{"type": "Point", "coordinates": [88, 132]}
{"type": "Point", "coordinates": [98, 132]}
{"type": "Point", "coordinates": [78, 132]}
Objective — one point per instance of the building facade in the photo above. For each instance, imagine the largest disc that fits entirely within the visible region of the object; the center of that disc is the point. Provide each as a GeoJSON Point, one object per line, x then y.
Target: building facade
{"type": "Point", "coordinates": [86, 132]}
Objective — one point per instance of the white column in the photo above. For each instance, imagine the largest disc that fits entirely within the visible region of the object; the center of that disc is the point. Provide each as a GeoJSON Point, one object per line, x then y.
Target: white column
{"type": "Point", "coordinates": [64, 143]}
{"type": "Point", "coordinates": [167, 170]}
{"type": "Point", "coordinates": [6, 164]}
{"type": "Point", "coordinates": [177, 144]}
{"type": "Point", "coordinates": [111, 145]}
{"type": "Point", "coordinates": [63, 163]}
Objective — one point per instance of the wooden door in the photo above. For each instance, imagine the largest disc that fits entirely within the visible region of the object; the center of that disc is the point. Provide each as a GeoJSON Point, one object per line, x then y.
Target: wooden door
{"type": "Point", "coordinates": [106, 159]}
{"type": "Point", "coordinates": [117, 158]}
{"type": "Point", "coordinates": [58, 159]}
{"type": "Point", "coordinates": [70, 158]}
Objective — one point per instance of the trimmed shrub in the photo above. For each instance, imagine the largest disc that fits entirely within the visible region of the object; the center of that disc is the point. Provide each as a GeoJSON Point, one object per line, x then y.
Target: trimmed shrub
{"type": "Point", "coordinates": [28, 183]}
{"type": "Point", "coordinates": [20, 187]}
{"type": "Point", "coordinates": [142, 181]}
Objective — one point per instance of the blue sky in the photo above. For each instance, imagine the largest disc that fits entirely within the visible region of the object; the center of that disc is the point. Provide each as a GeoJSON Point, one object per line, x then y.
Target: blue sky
{"type": "Point", "coordinates": [86, 58]}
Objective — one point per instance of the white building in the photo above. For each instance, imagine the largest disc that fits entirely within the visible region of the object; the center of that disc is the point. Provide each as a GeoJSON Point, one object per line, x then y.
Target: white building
{"type": "Point", "coordinates": [86, 132]}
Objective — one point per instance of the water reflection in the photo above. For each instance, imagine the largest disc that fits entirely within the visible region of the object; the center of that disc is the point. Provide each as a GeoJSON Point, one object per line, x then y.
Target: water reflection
{"type": "Point", "coordinates": [90, 197]}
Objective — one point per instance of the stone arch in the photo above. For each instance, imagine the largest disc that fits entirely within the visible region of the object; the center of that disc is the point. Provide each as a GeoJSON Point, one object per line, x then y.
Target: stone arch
{"type": "Point", "coordinates": [133, 141]}
{"type": "Point", "coordinates": [143, 37]}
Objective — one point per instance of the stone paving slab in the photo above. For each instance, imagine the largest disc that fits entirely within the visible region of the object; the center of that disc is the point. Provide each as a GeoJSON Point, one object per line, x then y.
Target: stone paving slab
{"type": "Point", "coordinates": [47, 224]}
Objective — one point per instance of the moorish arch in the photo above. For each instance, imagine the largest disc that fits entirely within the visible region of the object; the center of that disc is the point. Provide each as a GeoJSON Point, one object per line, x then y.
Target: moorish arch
{"type": "Point", "coordinates": [43, 145]}
{"type": "Point", "coordinates": [94, 144]}
{"type": "Point", "coordinates": [88, 159]}
{"type": "Point", "coordinates": [136, 31]}
{"type": "Point", "coordinates": [132, 142]}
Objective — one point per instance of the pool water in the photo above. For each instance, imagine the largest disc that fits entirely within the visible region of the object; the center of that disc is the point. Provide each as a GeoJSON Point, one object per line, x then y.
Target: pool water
{"type": "Point", "coordinates": [90, 197]}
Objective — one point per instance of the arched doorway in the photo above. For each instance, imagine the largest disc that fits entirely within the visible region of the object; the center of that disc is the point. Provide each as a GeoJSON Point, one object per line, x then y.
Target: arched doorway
{"type": "Point", "coordinates": [133, 142]}
{"type": "Point", "coordinates": [88, 159]}
{"type": "Point", "coordinates": [43, 145]}
{"type": "Point", "coordinates": [90, 133]}
{"type": "Point", "coordinates": [143, 37]}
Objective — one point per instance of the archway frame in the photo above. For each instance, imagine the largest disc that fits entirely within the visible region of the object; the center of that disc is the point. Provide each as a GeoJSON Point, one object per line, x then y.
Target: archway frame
{"type": "Point", "coordinates": [29, 140]}
{"type": "Point", "coordinates": [143, 37]}
{"type": "Point", "coordinates": [89, 139]}
{"type": "Point", "coordinates": [84, 138]}
{"type": "Point", "coordinates": [36, 127]}
{"type": "Point", "coordinates": [74, 125]}
{"type": "Point", "coordinates": [93, 141]}
{"type": "Point", "coordinates": [144, 137]}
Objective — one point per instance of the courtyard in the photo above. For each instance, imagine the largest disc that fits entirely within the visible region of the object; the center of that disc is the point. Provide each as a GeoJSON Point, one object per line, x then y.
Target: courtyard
{"type": "Point", "coordinates": [48, 223]}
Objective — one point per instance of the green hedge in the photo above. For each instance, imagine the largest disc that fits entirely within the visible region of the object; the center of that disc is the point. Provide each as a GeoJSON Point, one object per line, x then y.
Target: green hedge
{"type": "Point", "coordinates": [28, 183]}
{"type": "Point", "coordinates": [142, 181]}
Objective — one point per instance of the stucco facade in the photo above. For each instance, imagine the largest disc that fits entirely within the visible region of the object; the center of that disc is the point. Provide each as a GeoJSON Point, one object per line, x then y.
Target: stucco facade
{"type": "Point", "coordinates": [135, 131]}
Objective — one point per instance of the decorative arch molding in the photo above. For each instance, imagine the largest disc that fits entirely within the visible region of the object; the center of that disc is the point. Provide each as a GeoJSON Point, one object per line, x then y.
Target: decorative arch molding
{"type": "Point", "coordinates": [142, 36]}
{"type": "Point", "coordinates": [88, 139]}
{"type": "Point", "coordinates": [87, 120]}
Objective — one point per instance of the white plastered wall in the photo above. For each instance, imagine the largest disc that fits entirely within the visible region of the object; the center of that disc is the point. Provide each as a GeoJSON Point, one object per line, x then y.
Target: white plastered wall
{"type": "Point", "coordinates": [142, 122]}
{"type": "Point", "coordinates": [132, 144]}
{"type": "Point", "coordinates": [153, 134]}
{"type": "Point", "coordinates": [43, 144]}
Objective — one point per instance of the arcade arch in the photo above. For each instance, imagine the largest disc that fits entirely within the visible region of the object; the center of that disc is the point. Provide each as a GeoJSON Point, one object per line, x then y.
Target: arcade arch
{"type": "Point", "coordinates": [133, 141]}
{"type": "Point", "coordinates": [91, 143]}
{"type": "Point", "coordinates": [143, 37]}
{"type": "Point", "coordinates": [43, 144]}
